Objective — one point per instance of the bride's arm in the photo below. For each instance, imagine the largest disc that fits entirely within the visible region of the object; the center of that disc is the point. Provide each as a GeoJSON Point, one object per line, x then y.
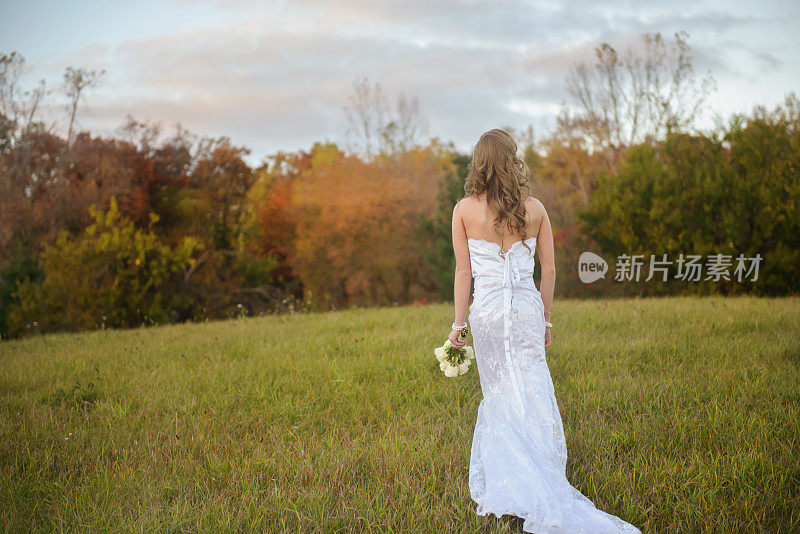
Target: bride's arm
{"type": "Point", "coordinates": [463, 274]}
{"type": "Point", "coordinates": [546, 262]}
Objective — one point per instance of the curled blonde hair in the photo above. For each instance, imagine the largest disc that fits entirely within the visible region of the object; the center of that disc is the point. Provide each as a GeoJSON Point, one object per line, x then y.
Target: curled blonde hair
{"type": "Point", "coordinates": [496, 170]}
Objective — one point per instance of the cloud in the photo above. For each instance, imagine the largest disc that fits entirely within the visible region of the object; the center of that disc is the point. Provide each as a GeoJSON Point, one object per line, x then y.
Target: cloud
{"type": "Point", "coordinates": [279, 75]}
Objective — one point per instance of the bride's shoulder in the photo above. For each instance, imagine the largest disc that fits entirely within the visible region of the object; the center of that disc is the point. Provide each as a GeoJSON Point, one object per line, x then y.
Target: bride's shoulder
{"type": "Point", "coordinates": [465, 202]}
{"type": "Point", "coordinates": [535, 212]}
{"type": "Point", "coordinates": [534, 204]}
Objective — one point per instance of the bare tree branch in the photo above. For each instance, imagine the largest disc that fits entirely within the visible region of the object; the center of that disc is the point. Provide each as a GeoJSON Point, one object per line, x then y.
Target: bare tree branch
{"type": "Point", "coordinates": [377, 125]}
{"type": "Point", "coordinates": [636, 97]}
{"type": "Point", "coordinates": [76, 81]}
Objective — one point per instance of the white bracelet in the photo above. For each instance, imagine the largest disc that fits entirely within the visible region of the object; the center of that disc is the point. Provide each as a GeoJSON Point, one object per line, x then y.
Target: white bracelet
{"type": "Point", "coordinates": [458, 327]}
{"type": "Point", "coordinates": [548, 324]}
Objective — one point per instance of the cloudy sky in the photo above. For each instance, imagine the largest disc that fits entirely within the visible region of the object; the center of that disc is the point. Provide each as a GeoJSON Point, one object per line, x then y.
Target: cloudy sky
{"type": "Point", "coordinates": [276, 75]}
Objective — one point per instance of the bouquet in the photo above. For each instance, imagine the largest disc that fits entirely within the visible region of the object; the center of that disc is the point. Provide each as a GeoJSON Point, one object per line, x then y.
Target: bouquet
{"type": "Point", "coordinates": [454, 361]}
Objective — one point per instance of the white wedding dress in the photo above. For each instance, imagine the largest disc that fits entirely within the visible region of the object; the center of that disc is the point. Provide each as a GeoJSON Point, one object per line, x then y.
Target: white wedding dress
{"type": "Point", "coordinates": [519, 456]}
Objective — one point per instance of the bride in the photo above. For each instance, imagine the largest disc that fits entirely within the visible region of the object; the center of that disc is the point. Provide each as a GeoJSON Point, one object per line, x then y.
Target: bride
{"type": "Point", "coordinates": [518, 457]}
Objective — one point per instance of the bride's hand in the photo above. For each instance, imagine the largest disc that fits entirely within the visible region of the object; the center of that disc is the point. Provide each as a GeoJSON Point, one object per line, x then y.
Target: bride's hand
{"type": "Point", "coordinates": [454, 339]}
{"type": "Point", "coordinates": [546, 337]}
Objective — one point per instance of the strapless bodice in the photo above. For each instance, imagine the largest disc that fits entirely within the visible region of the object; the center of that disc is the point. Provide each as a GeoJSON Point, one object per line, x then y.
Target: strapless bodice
{"type": "Point", "coordinates": [491, 267]}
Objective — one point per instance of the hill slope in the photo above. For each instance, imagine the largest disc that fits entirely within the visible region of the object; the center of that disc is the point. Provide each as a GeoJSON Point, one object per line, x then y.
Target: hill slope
{"type": "Point", "coordinates": [680, 414]}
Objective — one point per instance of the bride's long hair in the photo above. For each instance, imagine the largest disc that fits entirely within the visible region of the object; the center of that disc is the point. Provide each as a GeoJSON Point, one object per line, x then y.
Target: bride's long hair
{"type": "Point", "coordinates": [496, 170]}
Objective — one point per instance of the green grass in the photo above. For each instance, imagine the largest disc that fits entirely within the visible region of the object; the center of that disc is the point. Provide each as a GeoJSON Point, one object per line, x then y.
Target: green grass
{"type": "Point", "coordinates": [681, 414]}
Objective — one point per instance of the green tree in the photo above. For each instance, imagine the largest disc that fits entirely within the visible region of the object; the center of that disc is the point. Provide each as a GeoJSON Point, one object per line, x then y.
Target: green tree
{"type": "Point", "coordinates": [112, 275]}
{"type": "Point", "coordinates": [735, 192]}
{"type": "Point", "coordinates": [763, 201]}
{"type": "Point", "coordinates": [22, 263]}
{"type": "Point", "coordinates": [665, 199]}
{"type": "Point", "coordinates": [434, 231]}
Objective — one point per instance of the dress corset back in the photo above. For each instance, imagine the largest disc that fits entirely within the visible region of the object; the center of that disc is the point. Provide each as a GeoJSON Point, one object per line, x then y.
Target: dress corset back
{"type": "Point", "coordinates": [499, 279]}
{"type": "Point", "coordinates": [488, 264]}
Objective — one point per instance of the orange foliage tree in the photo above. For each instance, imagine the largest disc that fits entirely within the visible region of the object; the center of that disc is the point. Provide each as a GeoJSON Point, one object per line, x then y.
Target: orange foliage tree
{"type": "Point", "coordinates": [273, 220]}
{"type": "Point", "coordinates": [355, 235]}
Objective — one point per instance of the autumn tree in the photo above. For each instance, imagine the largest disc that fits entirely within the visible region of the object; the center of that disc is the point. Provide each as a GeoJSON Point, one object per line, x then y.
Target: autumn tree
{"type": "Point", "coordinates": [26, 147]}
{"type": "Point", "coordinates": [37, 196]}
{"type": "Point", "coordinates": [26, 165]}
{"type": "Point", "coordinates": [221, 179]}
{"type": "Point", "coordinates": [22, 139]}
{"type": "Point", "coordinates": [356, 241]}
{"type": "Point", "coordinates": [274, 211]}
{"type": "Point", "coordinates": [162, 177]}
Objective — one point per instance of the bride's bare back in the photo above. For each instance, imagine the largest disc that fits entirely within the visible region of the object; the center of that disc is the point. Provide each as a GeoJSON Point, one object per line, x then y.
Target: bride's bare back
{"type": "Point", "coordinates": [478, 219]}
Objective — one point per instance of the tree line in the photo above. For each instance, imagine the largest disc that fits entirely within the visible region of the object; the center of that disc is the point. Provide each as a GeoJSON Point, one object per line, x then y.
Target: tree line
{"type": "Point", "coordinates": [148, 227]}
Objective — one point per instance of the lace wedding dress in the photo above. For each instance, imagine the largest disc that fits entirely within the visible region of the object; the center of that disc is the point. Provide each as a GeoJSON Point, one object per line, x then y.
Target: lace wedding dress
{"type": "Point", "coordinates": [518, 458]}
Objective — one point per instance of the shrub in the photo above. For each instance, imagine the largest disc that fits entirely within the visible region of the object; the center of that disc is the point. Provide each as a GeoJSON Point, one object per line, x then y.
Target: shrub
{"type": "Point", "coordinates": [112, 275]}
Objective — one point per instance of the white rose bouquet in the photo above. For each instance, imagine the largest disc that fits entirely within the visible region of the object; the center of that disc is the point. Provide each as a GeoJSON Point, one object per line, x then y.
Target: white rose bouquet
{"type": "Point", "coordinates": [454, 361]}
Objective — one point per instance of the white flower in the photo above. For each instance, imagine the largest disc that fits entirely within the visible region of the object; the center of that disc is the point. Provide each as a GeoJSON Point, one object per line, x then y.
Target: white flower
{"type": "Point", "coordinates": [451, 371]}
{"type": "Point", "coordinates": [463, 367]}
{"type": "Point", "coordinates": [447, 343]}
{"type": "Point", "coordinates": [470, 352]}
{"type": "Point", "coordinates": [441, 354]}
{"type": "Point", "coordinates": [443, 365]}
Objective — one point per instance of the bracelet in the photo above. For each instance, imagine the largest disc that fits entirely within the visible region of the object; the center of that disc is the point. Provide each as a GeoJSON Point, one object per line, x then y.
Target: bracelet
{"type": "Point", "coordinates": [462, 327]}
{"type": "Point", "coordinates": [548, 324]}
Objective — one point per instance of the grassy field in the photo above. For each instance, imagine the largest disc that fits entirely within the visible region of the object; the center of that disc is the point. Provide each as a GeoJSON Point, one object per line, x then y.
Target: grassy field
{"type": "Point", "coordinates": [681, 414]}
